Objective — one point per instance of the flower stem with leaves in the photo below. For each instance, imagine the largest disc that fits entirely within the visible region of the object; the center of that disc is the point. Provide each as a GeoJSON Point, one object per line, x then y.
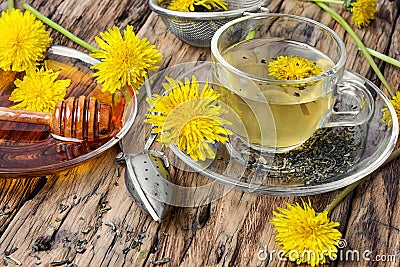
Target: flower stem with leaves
{"type": "Point", "coordinates": [359, 43]}
{"type": "Point", "coordinates": [58, 28]}
{"type": "Point", "coordinates": [383, 57]}
{"type": "Point", "coordinates": [330, 1]}
{"type": "Point", "coordinates": [342, 195]}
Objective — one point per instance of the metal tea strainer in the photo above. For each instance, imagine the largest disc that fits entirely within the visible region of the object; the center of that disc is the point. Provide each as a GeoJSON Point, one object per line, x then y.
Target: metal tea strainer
{"type": "Point", "coordinates": [146, 175]}
{"type": "Point", "coordinates": [198, 28]}
{"type": "Point", "coordinates": [147, 180]}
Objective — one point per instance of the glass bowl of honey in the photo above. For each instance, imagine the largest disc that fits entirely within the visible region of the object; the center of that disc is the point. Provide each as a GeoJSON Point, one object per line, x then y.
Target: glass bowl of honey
{"type": "Point", "coordinates": [84, 125]}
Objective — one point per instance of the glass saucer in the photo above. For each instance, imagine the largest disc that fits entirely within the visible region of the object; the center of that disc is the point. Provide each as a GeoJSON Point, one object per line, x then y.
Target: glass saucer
{"type": "Point", "coordinates": [333, 158]}
{"type": "Point", "coordinates": [31, 150]}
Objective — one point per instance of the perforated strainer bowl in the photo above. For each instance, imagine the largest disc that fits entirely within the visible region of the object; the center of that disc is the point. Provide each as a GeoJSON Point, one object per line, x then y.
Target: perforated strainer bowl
{"type": "Point", "coordinates": [198, 28]}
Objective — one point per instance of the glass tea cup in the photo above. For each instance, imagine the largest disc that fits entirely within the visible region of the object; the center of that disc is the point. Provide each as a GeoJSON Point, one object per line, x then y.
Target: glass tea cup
{"type": "Point", "coordinates": [274, 115]}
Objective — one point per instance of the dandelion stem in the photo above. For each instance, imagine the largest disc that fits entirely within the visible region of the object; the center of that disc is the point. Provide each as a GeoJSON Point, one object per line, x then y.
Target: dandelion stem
{"type": "Point", "coordinates": [331, 1]}
{"type": "Point", "coordinates": [383, 57]}
{"type": "Point", "coordinates": [58, 28]}
{"type": "Point", "coordinates": [10, 4]}
{"type": "Point", "coordinates": [342, 195]}
{"type": "Point", "coordinates": [360, 44]}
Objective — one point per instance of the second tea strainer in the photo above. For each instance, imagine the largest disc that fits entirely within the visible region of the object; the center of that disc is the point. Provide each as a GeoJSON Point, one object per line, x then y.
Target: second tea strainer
{"type": "Point", "coordinates": [198, 28]}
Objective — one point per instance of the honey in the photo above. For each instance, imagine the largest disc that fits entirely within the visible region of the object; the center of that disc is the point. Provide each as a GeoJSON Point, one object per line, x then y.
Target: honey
{"type": "Point", "coordinates": [27, 147]}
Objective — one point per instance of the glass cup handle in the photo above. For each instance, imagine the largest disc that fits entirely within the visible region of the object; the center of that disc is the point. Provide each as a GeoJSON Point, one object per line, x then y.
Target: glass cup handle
{"type": "Point", "coordinates": [353, 105]}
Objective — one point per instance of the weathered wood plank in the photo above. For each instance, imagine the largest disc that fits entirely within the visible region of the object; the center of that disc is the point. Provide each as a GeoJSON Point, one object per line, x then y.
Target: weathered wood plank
{"type": "Point", "coordinates": [13, 194]}
{"type": "Point", "coordinates": [94, 200]}
{"type": "Point", "coordinates": [392, 73]}
{"type": "Point", "coordinates": [72, 15]}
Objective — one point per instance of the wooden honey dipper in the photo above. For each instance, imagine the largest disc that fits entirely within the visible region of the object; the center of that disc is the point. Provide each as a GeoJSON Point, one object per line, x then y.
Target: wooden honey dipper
{"type": "Point", "coordinates": [79, 118]}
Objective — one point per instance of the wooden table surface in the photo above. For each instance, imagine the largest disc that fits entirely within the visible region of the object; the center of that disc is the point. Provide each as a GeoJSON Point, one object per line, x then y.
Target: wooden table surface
{"type": "Point", "coordinates": [85, 216]}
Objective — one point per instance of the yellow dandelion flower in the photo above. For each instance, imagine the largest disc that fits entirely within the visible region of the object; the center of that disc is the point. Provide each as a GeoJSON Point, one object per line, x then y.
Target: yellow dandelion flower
{"type": "Point", "coordinates": [24, 40]}
{"type": "Point", "coordinates": [197, 5]}
{"type": "Point", "coordinates": [188, 118]}
{"type": "Point", "coordinates": [363, 11]}
{"type": "Point", "coordinates": [306, 236]}
{"type": "Point", "coordinates": [124, 60]}
{"type": "Point", "coordinates": [39, 90]}
{"type": "Point", "coordinates": [386, 116]}
{"type": "Point", "coordinates": [293, 68]}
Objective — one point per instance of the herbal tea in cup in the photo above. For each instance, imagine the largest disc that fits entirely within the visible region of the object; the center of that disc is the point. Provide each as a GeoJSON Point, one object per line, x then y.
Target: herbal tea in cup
{"type": "Point", "coordinates": [280, 75]}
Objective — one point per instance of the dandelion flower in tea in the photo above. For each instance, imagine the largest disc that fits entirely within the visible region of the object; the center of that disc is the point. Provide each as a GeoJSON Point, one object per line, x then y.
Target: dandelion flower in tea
{"type": "Point", "coordinates": [293, 68]}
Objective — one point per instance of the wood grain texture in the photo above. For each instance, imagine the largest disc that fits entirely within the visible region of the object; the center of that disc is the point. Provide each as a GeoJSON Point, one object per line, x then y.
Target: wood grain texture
{"type": "Point", "coordinates": [85, 215]}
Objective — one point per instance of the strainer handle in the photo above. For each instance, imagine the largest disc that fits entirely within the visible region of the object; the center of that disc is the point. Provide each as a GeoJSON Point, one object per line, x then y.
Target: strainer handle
{"type": "Point", "coordinates": [153, 136]}
{"type": "Point", "coordinates": [149, 142]}
{"type": "Point", "coordinates": [261, 10]}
